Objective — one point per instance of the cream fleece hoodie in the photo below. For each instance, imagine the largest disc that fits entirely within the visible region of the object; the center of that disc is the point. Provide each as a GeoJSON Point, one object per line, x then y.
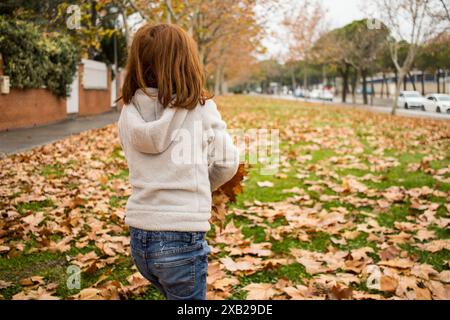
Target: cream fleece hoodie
{"type": "Point", "coordinates": [176, 157]}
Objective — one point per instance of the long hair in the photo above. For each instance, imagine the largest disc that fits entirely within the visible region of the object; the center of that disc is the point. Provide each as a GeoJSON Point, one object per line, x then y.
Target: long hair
{"type": "Point", "coordinates": [165, 57]}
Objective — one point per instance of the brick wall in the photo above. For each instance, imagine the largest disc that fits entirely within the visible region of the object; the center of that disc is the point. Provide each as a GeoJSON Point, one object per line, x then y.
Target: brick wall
{"type": "Point", "coordinates": [28, 108]}
{"type": "Point", "coordinates": [93, 101]}
{"type": "Point", "coordinates": [36, 107]}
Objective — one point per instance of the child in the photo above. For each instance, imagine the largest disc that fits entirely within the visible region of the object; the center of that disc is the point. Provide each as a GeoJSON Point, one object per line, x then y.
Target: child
{"type": "Point", "coordinates": [178, 151]}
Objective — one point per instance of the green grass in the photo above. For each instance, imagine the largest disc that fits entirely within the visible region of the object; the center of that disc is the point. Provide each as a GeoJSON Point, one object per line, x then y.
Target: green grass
{"type": "Point", "coordinates": [266, 194]}
{"type": "Point", "coordinates": [322, 154]}
{"type": "Point", "coordinates": [294, 272]}
{"type": "Point", "coordinates": [117, 202]}
{"type": "Point", "coordinates": [52, 171]}
{"type": "Point", "coordinates": [34, 206]}
{"type": "Point", "coordinates": [51, 266]}
{"type": "Point", "coordinates": [441, 233]}
{"type": "Point", "coordinates": [122, 174]}
{"type": "Point", "coordinates": [319, 242]}
{"type": "Point", "coordinates": [439, 260]}
{"type": "Point", "coordinates": [301, 127]}
{"type": "Point", "coordinates": [396, 213]}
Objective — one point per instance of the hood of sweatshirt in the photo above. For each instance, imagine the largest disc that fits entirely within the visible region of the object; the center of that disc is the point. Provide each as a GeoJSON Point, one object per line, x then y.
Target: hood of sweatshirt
{"type": "Point", "coordinates": [162, 123]}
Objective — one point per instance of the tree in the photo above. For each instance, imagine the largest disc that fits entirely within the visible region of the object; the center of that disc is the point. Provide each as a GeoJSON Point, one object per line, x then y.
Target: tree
{"type": "Point", "coordinates": [433, 57]}
{"type": "Point", "coordinates": [365, 44]}
{"type": "Point", "coordinates": [333, 49]}
{"type": "Point", "coordinates": [227, 32]}
{"type": "Point", "coordinates": [33, 58]}
{"type": "Point", "coordinates": [99, 21]}
{"type": "Point", "coordinates": [304, 25]}
{"type": "Point", "coordinates": [417, 16]}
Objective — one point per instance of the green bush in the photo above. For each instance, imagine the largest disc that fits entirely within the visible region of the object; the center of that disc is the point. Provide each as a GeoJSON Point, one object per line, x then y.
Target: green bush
{"type": "Point", "coordinates": [33, 59]}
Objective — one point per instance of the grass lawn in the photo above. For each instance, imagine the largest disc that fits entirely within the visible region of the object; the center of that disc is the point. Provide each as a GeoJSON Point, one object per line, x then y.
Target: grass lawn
{"type": "Point", "coordinates": [353, 192]}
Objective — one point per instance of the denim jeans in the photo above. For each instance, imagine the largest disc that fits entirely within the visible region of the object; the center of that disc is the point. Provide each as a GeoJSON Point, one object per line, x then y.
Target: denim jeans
{"type": "Point", "coordinates": [174, 262]}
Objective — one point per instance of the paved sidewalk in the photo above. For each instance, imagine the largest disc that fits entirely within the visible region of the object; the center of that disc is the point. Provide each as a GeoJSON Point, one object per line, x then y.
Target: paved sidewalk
{"type": "Point", "coordinates": [18, 140]}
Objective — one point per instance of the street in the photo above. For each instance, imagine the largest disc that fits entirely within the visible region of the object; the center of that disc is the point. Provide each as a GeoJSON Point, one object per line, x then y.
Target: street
{"type": "Point", "coordinates": [385, 108]}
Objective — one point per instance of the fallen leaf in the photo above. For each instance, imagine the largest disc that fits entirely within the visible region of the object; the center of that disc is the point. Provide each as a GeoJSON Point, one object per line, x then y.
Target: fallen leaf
{"type": "Point", "coordinates": [260, 291]}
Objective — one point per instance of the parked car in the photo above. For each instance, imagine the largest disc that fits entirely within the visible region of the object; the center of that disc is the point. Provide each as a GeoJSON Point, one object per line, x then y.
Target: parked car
{"type": "Point", "coordinates": [326, 95]}
{"type": "Point", "coordinates": [411, 99]}
{"type": "Point", "coordinates": [438, 102]}
{"type": "Point", "coordinates": [314, 94]}
{"type": "Point", "coordinates": [299, 93]}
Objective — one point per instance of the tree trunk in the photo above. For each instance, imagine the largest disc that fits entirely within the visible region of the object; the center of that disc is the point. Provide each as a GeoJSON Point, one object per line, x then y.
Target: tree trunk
{"type": "Point", "coordinates": [438, 84]}
{"type": "Point", "coordinates": [355, 80]}
{"type": "Point", "coordinates": [444, 87]}
{"type": "Point", "coordinates": [401, 75]}
{"type": "Point", "coordinates": [383, 83]}
{"type": "Point", "coordinates": [388, 90]}
{"type": "Point", "coordinates": [396, 76]}
{"type": "Point", "coordinates": [93, 17]}
{"type": "Point", "coordinates": [93, 13]}
{"type": "Point", "coordinates": [344, 87]}
{"type": "Point", "coordinates": [372, 96]}
{"type": "Point", "coordinates": [344, 73]}
{"type": "Point", "coordinates": [305, 79]}
{"type": "Point", "coordinates": [168, 17]}
{"type": "Point", "coordinates": [412, 81]}
{"type": "Point", "coordinates": [217, 79]}
{"type": "Point", "coordinates": [294, 81]}
{"type": "Point", "coordinates": [224, 85]}
{"type": "Point", "coordinates": [364, 88]}
{"type": "Point", "coordinates": [404, 82]}
{"type": "Point", "coordinates": [423, 83]}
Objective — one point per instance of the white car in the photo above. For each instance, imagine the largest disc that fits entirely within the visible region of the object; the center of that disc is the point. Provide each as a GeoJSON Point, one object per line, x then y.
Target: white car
{"type": "Point", "coordinates": [438, 102]}
{"type": "Point", "coordinates": [314, 94]}
{"type": "Point", "coordinates": [411, 99]}
{"type": "Point", "coordinates": [326, 95]}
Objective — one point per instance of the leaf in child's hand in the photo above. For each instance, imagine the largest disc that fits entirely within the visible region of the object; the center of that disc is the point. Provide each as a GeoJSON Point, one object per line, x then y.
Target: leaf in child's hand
{"type": "Point", "coordinates": [226, 194]}
{"type": "Point", "coordinates": [219, 208]}
{"type": "Point", "coordinates": [234, 187]}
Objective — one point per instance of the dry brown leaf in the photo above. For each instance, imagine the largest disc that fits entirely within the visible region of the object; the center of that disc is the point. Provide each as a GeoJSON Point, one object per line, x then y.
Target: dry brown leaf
{"type": "Point", "coordinates": [260, 291]}
{"type": "Point", "coordinates": [388, 284]}
{"type": "Point", "coordinates": [31, 281]}
{"type": "Point", "coordinates": [339, 292]}
{"type": "Point", "coordinates": [397, 263]}
{"type": "Point", "coordinates": [225, 283]}
{"type": "Point", "coordinates": [38, 294]}
{"type": "Point", "coordinates": [233, 266]}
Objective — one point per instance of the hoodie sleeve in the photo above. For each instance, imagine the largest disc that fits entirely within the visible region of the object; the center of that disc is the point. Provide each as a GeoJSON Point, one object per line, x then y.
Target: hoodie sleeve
{"type": "Point", "coordinates": [223, 156]}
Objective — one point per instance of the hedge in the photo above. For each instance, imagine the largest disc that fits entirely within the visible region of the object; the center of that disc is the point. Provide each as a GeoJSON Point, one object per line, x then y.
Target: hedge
{"type": "Point", "coordinates": [34, 59]}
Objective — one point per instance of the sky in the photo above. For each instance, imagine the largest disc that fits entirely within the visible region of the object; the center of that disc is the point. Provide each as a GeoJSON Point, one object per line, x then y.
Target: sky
{"type": "Point", "coordinates": [340, 12]}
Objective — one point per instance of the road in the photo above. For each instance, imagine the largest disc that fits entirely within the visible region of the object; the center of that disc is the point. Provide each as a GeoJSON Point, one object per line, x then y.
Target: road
{"type": "Point", "coordinates": [374, 108]}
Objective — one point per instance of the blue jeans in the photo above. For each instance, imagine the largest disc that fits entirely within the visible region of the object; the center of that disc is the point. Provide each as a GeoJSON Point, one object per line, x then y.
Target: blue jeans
{"type": "Point", "coordinates": [174, 262]}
